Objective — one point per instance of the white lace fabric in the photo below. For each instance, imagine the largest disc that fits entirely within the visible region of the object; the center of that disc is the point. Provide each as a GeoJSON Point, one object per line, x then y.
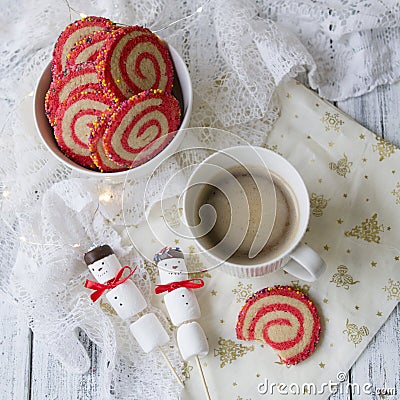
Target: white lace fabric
{"type": "Point", "coordinates": [237, 53]}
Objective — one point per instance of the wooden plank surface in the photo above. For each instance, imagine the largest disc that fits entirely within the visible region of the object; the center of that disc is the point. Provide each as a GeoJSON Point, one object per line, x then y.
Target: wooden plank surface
{"type": "Point", "coordinates": [379, 111]}
{"type": "Point", "coordinates": [51, 381]}
{"type": "Point", "coordinates": [15, 352]}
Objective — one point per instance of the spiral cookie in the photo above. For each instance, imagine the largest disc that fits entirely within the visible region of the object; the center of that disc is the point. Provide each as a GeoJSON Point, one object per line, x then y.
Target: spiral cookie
{"type": "Point", "coordinates": [134, 59]}
{"type": "Point", "coordinates": [74, 80]}
{"type": "Point", "coordinates": [72, 34]}
{"type": "Point", "coordinates": [72, 126]}
{"type": "Point", "coordinates": [285, 319]}
{"type": "Point", "coordinates": [137, 123]}
{"type": "Point", "coordinates": [87, 49]}
{"type": "Point", "coordinates": [96, 148]}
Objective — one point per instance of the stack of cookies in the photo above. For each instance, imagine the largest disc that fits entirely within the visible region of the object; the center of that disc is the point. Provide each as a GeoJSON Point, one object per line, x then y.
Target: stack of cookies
{"type": "Point", "coordinates": [110, 101]}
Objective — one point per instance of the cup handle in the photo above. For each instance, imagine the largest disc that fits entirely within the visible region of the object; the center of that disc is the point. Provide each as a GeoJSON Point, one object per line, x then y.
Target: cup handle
{"type": "Point", "coordinates": [305, 264]}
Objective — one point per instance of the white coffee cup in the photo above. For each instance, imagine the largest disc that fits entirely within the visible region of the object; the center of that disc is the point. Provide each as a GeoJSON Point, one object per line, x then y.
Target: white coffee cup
{"type": "Point", "coordinates": [297, 259]}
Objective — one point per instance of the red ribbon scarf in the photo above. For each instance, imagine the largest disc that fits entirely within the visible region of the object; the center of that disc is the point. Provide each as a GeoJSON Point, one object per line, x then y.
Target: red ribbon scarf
{"type": "Point", "coordinates": [189, 284]}
{"type": "Point", "coordinates": [100, 288]}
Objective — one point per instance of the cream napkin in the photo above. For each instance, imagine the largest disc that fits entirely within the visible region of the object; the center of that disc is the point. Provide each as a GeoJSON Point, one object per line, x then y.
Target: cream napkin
{"type": "Point", "coordinates": [354, 186]}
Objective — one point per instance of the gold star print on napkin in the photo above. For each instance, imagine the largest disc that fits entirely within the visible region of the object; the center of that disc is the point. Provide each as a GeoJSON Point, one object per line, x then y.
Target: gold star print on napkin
{"type": "Point", "coordinates": [354, 184]}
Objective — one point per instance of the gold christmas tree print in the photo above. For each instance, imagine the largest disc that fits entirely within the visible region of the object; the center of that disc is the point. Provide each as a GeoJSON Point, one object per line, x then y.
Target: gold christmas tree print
{"type": "Point", "coordinates": [228, 351]}
{"type": "Point", "coordinates": [384, 148]}
{"type": "Point", "coordinates": [303, 288]}
{"type": "Point", "coordinates": [242, 292]}
{"type": "Point", "coordinates": [317, 204]}
{"type": "Point", "coordinates": [396, 193]}
{"type": "Point", "coordinates": [151, 269]}
{"type": "Point", "coordinates": [355, 334]}
{"type": "Point", "coordinates": [393, 290]}
{"type": "Point", "coordinates": [342, 167]}
{"type": "Point", "coordinates": [369, 230]}
{"type": "Point", "coordinates": [186, 369]}
{"type": "Point", "coordinates": [342, 278]}
{"type": "Point", "coordinates": [195, 265]}
{"type": "Point", "coordinates": [332, 122]}
{"type": "Point", "coordinates": [172, 216]}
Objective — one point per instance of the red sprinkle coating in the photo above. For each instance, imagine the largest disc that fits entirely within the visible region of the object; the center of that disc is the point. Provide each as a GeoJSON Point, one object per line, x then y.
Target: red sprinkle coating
{"type": "Point", "coordinates": [124, 71]}
{"type": "Point", "coordinates": [97, 152]}
{"type": "Point", "coordinates": [87, 49]}
{"type": "Point", "coordinates": [287, 291]}
{"type": "Point", "coordinates": [142, 115]}
{"type": "Point", "coordinates": [80, 29]}
{"type": "Point", "coordinates": [72, 142]}
{"type": "Point", "coordinates": [74, 80]}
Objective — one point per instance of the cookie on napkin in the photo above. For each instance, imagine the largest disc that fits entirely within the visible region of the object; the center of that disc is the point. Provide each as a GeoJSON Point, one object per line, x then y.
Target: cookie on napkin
{"type": "Point", "coordinates": [284, 318]}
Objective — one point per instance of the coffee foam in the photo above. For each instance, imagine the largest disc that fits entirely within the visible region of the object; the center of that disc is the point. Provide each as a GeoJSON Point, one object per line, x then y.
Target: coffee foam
{"type": "Point", "coordinates": [262, 213]}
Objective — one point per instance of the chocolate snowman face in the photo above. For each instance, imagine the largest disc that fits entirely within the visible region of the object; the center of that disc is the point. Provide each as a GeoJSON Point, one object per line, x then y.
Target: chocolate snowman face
{"type": "Point", "coordinates": [105, 269]}
{"type": "Point", "coordinates": [172, 270]}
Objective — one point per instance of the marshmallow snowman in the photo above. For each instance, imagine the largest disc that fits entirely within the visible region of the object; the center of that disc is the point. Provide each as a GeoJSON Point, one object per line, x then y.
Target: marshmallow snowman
{"type": "Point", "coordinates": [126, 298]}
{"type": "Point", "coordinates": [181, 303]}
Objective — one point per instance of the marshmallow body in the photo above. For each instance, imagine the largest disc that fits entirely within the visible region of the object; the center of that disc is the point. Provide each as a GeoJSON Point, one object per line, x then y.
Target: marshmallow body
{"type": "Point", "coordinates": [126, 299]}
{"type": "Point", "coordinates": [106, 268]}
{"type": "Point", "coordinates": [182, 306]}
{"type": "Point", "coordinates": [149, 332]}
{"type": "Point", "coordinates": [192, 340]}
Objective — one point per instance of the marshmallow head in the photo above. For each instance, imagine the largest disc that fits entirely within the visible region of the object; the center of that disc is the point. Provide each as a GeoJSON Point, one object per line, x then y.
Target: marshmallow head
{"type": "Point", "coordinates": [126, 299]}
{"type": "Point", "coordinates": [172, 270]}
{"type": "Point", "coordinates": [105, 269]}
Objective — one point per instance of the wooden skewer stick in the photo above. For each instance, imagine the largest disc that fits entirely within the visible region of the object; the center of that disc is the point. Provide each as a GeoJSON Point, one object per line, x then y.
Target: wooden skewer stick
{"type": "Point", "coordinates": [171, 367]}
{"type": "Point", "coordinates": [167, 360]}
{"type": "Point", "coordinates": [203, 379]}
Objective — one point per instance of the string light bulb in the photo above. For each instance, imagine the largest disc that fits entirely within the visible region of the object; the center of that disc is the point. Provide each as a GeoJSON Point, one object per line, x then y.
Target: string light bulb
{"type": "Point", "coordinates": [105, 197]}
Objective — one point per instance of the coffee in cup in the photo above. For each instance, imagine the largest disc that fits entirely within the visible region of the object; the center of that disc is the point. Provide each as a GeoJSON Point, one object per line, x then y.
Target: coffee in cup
{"type": "Point", "coordinates": [247, 209]}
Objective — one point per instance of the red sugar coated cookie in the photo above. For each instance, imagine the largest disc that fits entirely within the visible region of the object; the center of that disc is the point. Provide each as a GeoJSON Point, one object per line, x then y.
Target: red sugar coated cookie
{"type": "Point", "coordinates": [136, 126]}
{"type": "Point", "coordinates": [134, 59]}
{"type": "Point", "coordinates": [72, 126]}
{"type": "Point", "coordinates": [97, 153]}
{"type": "Point", "coordinates": [285, 319]}
{"type": "Point", "coordinates": [87, 49]}
{"type": "Point", "coordinates": [74, 80]}
{"type": "Point", "coordinates": [72, 34]}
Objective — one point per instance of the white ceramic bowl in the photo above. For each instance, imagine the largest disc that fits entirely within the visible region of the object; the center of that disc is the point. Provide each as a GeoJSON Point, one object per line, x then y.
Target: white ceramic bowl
{"type": "Point", "coordinates": [46, 131]}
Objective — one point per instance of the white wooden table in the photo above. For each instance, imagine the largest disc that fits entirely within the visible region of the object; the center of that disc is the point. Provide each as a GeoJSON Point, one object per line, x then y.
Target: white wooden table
{"type": "Point", "coordinates": [27, 371]}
